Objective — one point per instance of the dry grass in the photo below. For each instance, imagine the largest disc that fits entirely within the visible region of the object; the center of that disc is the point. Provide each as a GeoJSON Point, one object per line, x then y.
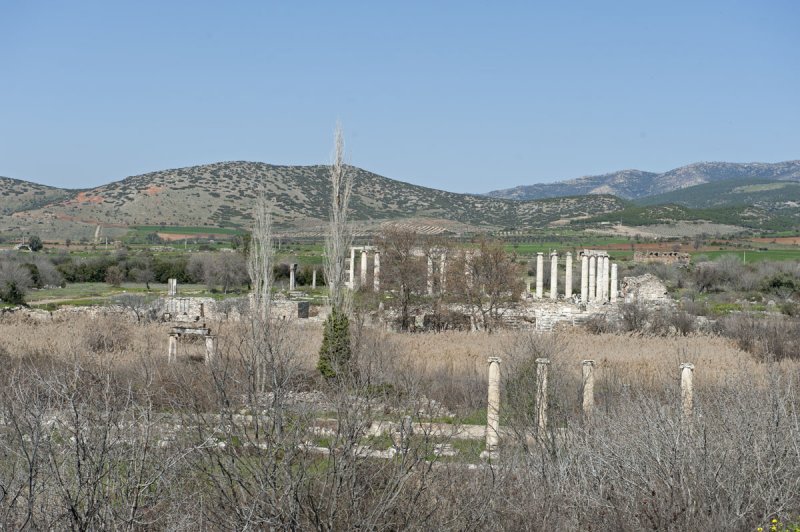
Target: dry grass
{"type": "Point", "coordinates": [450, 367]}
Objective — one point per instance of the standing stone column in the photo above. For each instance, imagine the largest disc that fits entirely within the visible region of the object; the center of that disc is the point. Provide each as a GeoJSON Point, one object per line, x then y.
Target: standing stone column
{"type": "Point", "coordinates": [430, 275]}
{"type": "Point", "coordinates": [588, 386]}
{"type": "Point", "coordinates": [211, 348]}
{"type": "Point", "coordinates": [493, 408]}
{"type": "Point", "coordinates": [442, 272]}
{"type": "Point", "coordinates": [351, 284]}
{"type": "Point", "coordinates": [614, 288]}
{"type": "Point", "coordinates": [568, 277]}
{"type": "Point", "coordinates": [314, 278]}
{"type": "Point", "coordinates": [584, 278]}
{"type": "Point", "coordinates": [528, 285]}
{"type": "Point", "coordinates": [172, 287]}
{"type": "Point", "coordinates": [172, 348]}
{"type": "Point", "coordinates": [376, 272]}
{"type": "Point", "coordinates": [363, 267]}
{"type": "Point", "coordinates": [553, 275]}
{"type": "Point", "coordinates": [606, 271]}
{"type": "Point", "coordinates": [541, 393]}
{"type": "Point", "coordinates": [599, 282]}
{"type": "Point", "coordinates": [687, 393]}
{"type": "Point", "coordinates": [539, 275]}
{"type": "Point", "coordinates": [292, 270]}
{"type": "Point", "coordinates": [592, 277]}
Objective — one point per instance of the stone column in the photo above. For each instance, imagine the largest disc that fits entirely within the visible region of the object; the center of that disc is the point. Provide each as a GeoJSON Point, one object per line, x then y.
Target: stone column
{"type": "Point", "coordinates": [614, 288]}
{"type": "Point", "coordinates": [606, 272]}
{"type": "Point", "coordinates": [493, 408]}
{"type": "Point", "coordinates": [314, 278]}
{"type": "Point", "coordinates": [292, 270]}
{"type": "Point", "coordinates": [584, 278]}
{"type": "Point", "coordinates": [376, 271]}
{"type": "Point", "coordinates": [687, 370]}
{"type": "Point", "coordinates": [351, 284]}
{"type": "Point", "coordinates": [211, 348]}
{"type": "Point", "coordinates": [363, 267]}
{"type": "Point", "coordinates": [598, 296]}
{"type": "Point", "coordinates": [592, 277]}
{"type": "Point", "coordinates": [588, 386]}
{"type": "Point", "coordinates": [528, 285]}
{"type": "Point", "coordinates": [430, 275]}
{"type": "Point", "coordinates": [568, 277]}
{"type": "Point", "coordinates": [539, 275]}
{"type": "Point", "coordinates": [172, 348]}
{"type": "Point", "coordinates": [553, 275]}
{"type": "Point", "coordinates": [541, 393]}
{"type": "Point", "coordinates": [442, 271]}
{"type": "Point", "coordinates": [172, 287]}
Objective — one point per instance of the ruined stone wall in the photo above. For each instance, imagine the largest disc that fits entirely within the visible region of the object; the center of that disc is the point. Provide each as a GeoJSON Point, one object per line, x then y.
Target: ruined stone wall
{"type": "Point", "coordinates": [663, 257]}
{"type": "Point", "coordinates": [647, 289]}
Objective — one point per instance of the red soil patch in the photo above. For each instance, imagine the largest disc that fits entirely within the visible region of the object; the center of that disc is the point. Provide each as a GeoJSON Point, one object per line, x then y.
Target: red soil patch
{"type": "Point", "coordinates": [153, 190]}
{"type": "Point", "coordinates": [82, 197]}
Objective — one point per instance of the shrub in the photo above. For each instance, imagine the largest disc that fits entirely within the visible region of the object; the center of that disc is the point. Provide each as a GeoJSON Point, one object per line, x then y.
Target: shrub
{"type": "Point", "coordinates": [335, 352]}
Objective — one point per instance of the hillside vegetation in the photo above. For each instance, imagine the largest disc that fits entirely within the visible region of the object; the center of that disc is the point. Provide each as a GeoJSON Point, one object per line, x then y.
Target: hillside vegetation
{"type": "Point", "coordinates": [222, 195]}
{"type": "Point", "coordinates": [637, 184]}
{"type": "Point", "coordinates": [17, 195]}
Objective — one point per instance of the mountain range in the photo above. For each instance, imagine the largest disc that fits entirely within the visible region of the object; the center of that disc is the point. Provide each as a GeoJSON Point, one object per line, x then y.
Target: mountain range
{"type": "Point", "coordinates": [638, 184]}
{"type": "Point", "coordinates": [221, 196]}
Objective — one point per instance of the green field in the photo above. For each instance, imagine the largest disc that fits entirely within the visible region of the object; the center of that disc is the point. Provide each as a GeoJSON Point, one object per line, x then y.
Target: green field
{"type": "Point", "coordinates": [187, 230]}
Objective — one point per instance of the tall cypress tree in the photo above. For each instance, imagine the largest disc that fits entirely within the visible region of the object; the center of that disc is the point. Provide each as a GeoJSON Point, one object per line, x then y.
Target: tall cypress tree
{"type": "Point", "coordinates": [335, 352]}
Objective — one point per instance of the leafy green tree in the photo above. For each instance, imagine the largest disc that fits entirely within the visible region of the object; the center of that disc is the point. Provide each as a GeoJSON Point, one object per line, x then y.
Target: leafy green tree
{"type": "Point", "coordinates": [35, 243]}
{"type": "Point", "coordinates": [12, 293]}
{"type": "Point", "coordinates": [335, 352]}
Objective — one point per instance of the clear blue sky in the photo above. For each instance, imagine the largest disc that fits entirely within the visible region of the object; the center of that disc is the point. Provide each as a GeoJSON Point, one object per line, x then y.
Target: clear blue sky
{"type": "Point", "coordinates": [464, 96]}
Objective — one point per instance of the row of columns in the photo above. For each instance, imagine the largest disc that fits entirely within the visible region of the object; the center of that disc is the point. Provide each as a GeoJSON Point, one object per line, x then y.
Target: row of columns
{"type": "Point", "coordinates": [293, 277]}
{"type": "Point", "coordinates": [376, 267]}
{"type": "Point", "coordinates": [587, 370]}
{"type": "Point", "coordinates": [598, 277]}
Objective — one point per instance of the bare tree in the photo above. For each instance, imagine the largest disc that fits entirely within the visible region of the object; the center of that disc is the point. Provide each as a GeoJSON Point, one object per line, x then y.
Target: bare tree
{"type": "Point", "coordinates": [493, 279]}
{"type": "Point", "coordinates": [340, 237]}
{"type": "Point", "coordinates": [259, 266]}
{"type": "Point", "coordinates": [404, 270]}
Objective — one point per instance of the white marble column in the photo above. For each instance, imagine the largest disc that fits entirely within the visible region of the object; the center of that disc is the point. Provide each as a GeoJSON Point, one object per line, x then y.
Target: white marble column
{"type": "Point", "coordinates": [376, 271]}
{"type": "Point", "coordinates": [568, 277]}
{"type": "Point", "coordinates": [442, 272]}
{"type": "Point", "coordinates": [363, 267]}
{"type": "Point", "coordinates": [606, 272]}
{"type": "Point", "coordinates": [541, 393]}
{"type": "Point", "coordinates": [592, 277]}
{"type": "Point", "coordinates": [553, 275]}
{"type": "Point", "coordinates": [211, 348]}
{"type": "Point", "coordinates": [314, 279]}
{"type": "Point", "coordinates": [493, 408]}
{"type": "Point", "coordinates": [430, 275]}
{"type": "Point", "coordinates": [614, 282]}
{"type": "Point", "coordinates": [539, 275]}
{"type": "Point", "coordinates": [687, 393]}
{"type": "Point", "coordinates": [351, 284]}
{"type": "Point", "coordinates": [172, 348]}
{"type": "Point", "coordinates": [292, 274]}
{"type": "Point", "coordinates": [584, 278]}
{"type": "Point", "coordinates": [588, 386]}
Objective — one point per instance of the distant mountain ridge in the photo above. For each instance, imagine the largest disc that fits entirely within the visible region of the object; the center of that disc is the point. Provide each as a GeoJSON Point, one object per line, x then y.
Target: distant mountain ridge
{"type": "Point", "coordinates": [637, 184]}
{"type": "Point", "coordinates": [222, 195]}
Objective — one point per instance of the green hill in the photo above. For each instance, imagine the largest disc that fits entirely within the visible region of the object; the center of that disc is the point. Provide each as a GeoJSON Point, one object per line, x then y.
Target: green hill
{"type": "Point", "coordinates": [222, 195]}
{"type": "Point", "coordinates": [765, 193]}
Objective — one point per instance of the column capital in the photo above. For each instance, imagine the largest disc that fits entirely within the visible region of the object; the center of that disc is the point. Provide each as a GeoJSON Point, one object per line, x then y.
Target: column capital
{"type": "Point", "coordinates": [587, 362]}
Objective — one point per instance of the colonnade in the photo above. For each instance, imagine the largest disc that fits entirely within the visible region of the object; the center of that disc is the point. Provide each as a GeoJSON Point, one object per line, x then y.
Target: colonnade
{"type": "Point", "coordinates": [376, 267]}
{"type": "Point", "coordinates": [599, 281]}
